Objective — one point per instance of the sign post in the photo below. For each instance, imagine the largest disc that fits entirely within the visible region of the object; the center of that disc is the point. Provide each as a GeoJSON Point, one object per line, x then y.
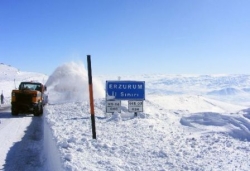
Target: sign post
{"type": "Point", "coordinates": [134, 91]}
{"type": "Point", "coordinates": [91, 99]}
{"type": "Point", "coordinates": [135, 106]}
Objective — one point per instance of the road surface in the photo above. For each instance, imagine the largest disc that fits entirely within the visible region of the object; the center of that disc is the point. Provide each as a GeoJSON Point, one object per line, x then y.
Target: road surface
{"type": "Point", "coordinates": [21, 141]}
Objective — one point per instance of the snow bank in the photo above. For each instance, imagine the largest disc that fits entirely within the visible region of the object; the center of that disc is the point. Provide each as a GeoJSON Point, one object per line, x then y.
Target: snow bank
{"type": "Point", "coordinates": [69, 83]}
{"type": "Point", "coordinates": [50, 151]}
{"type": "Point", "coordinates": [163, 140]}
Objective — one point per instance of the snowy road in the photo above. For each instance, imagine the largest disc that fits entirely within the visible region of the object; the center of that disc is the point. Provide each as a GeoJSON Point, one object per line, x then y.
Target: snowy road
{"type": "Point", "coordinates": [21, 141]}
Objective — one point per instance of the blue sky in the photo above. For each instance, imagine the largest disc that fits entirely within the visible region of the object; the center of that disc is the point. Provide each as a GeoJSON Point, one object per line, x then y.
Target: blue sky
{"type": "Point", "coordinates": [127, 36]}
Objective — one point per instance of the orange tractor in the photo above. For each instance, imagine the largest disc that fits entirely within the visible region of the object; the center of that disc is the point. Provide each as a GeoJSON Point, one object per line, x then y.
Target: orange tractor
{"type": "Point", "coordinates": [29, 98]}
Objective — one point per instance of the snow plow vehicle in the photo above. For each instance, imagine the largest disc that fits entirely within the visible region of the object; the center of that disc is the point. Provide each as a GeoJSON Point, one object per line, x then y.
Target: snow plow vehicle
{"type": "Point", "coordinates": [29, 99]}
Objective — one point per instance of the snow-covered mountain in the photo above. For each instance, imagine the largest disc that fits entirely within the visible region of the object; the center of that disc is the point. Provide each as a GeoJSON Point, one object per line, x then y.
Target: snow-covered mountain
{"type": "Point", "coordinates": [230, 88]}
{"type": "Point", "coordinates": [7, 71]}
{"type": "Point", "coordinates": [215, 86]}
{"type": "Point", "coordinates": [203, 83]}
{"type": "Point", "coordinates": [182, 127]}
{"type": "Point", "coordinates": [225, 91]}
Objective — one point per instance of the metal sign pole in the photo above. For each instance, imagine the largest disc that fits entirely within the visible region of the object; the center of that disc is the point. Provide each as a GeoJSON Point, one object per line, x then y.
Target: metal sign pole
{"type": "Point", "coordinates": [135, 114]}
{"type": "Point", "coordinates": [92, 112]}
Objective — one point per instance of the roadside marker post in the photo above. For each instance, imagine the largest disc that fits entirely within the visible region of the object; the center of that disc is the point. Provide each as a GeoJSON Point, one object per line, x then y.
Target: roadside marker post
{"type": "Point", "coordinates": [91, 99]}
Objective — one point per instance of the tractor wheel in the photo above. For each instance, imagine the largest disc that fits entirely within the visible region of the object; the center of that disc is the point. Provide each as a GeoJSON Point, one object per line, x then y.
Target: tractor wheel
{"type": "Point", "coordinates": [39, 110]}
{"type": "Point", "coordinates": [14, 111]}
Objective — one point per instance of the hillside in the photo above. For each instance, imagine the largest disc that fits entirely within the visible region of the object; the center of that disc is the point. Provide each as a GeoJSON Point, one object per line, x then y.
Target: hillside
{"type": "Point", "coordinates": [181, 127]}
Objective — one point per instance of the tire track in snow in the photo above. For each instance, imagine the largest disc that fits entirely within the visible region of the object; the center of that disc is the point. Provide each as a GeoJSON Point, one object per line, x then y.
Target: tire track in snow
{"type": "Point", "coordinates": [25, 143]}
{"type": "Point", "coordinates": [11, 131]}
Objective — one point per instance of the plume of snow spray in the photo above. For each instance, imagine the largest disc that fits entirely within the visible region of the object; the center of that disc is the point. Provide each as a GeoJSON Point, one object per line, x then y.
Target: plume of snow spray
{"type": "Point", "coordinates": [69, 83]}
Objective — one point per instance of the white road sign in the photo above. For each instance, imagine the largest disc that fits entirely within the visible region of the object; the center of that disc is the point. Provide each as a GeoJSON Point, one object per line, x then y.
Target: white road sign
{"type": "Point", "coordinates": [113, 106]}
{"type": "Point", "coordinates": [135, 106]}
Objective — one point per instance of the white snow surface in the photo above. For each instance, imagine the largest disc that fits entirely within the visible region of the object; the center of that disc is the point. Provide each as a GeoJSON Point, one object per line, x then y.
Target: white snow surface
{"type": "Point", "coordinates": [183, 126]}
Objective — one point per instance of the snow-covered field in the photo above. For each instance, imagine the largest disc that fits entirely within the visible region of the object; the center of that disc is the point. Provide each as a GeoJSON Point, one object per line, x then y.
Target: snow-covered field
{"type": "Point", "coordinates": [190, 122]}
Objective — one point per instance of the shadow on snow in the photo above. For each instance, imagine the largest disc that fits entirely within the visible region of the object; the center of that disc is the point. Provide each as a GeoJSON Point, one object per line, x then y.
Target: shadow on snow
{"type": "Point", "coordinates": [26, 155]}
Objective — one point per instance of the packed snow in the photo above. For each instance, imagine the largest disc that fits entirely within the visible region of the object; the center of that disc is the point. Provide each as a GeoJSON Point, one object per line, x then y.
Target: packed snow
{"type": "Point", "coordinates": [189, 122]}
